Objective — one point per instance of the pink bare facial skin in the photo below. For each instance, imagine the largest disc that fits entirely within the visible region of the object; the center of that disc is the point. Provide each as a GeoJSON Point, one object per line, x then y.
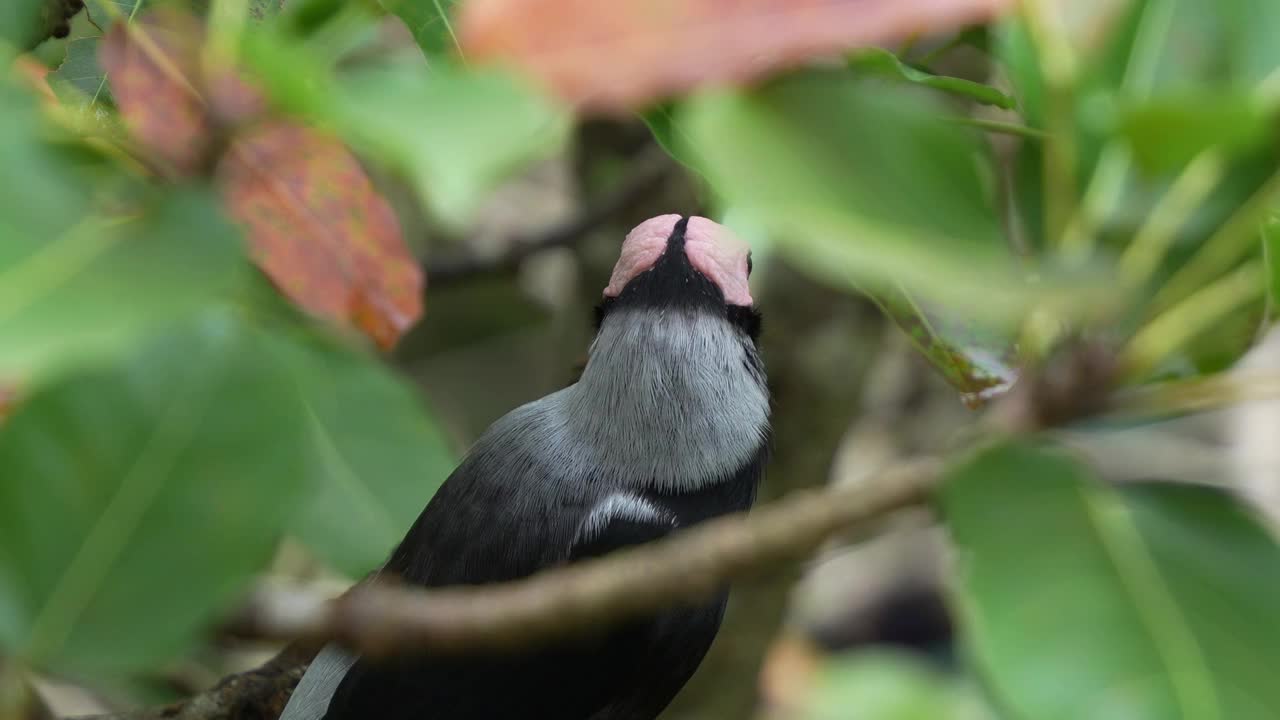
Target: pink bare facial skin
{"type": "Point", "coordinates": [712, 249]}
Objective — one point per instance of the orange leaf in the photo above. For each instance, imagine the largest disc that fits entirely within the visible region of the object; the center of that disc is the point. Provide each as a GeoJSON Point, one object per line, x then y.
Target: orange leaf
{"type": "Point", "coordinates": [321, 231]}
{"type": "Point", "coordinates": [623, 54]}
{"type": "Point", "coordinates": [153, 66]}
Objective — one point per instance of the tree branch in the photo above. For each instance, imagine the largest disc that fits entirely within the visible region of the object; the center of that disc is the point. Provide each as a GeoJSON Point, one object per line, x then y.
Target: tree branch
{"type": "Point", "coordinates": [379, 619]}
{"type": "Point", "coordinates": [259, 694]}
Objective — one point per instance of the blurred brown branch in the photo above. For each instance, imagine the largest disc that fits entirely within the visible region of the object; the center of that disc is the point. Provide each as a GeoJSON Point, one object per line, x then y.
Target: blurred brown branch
{"type": "Point", "coordinates": [376, 619]}
{"type": "Point", "coordinates": [380, 619]}
{"type": "Point", "coordinates": [259, 694]}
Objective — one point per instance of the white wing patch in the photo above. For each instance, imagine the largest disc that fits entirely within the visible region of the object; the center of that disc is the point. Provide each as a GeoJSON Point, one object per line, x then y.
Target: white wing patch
{"type": "Point", "coordinates": [310, 700]}
{"type": "Point", "coordinates": [623, 506]}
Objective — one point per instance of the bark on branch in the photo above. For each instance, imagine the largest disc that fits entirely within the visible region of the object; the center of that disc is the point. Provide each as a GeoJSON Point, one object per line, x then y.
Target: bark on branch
{"type": "Point", "coordinates": [380, 619]}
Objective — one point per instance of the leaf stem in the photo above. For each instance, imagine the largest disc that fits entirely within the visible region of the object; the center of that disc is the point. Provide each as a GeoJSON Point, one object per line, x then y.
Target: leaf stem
{"type": "Point", "coordinates": [1100, 200]}
{"type": "Point", "coordinates": [1058, 63]}
{"type": "Point", "coordinates": [1105, 187]}
{"type": "Point", "coordinates": [1144, 62]}
{"type": "Point", "coordinates": [1229, 244]}
{"type": "Point", "coordinates": [1144, 254]}
{"type": "Point", "coordinates": [162, 61]}
{"type": "Point", "coordinates": [1198, 394]}
{"type": "Point", "coordinates": [113, 14]}
{"type": "Point", "coordinates": [1171, 330]}
{"type": "Point", "coordinates": [55, 263]}
{"type": "Point", "coordinates": [1005, 128]}
{"type": "Point", "coordinates": [227, 19]}
{"type": "Point", "coordinates": [448, 26]}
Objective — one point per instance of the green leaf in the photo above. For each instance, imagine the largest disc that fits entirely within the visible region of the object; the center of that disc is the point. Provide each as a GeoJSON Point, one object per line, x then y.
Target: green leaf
{"type": "Point", "coordinates": [887, 685]}
{"type": "Point", "coordinates": [430, 22]}
{"type": "Point", "coordinates": [136, 503]}
{"type": "Point", "coordinates": [455, 133]}
{"type": "Point", "coordinates": [1166, 133]}
{"type": "Point", "coordinates": [1271, 260]}
{"type": "Point", "coordinates": [882, 62]}
{"type": "Point", "coordinates": [1255, 24]}
{"type": "Point", "coordinates": [305, 18]}
{"type": "Point", "coordinates": [1082, 600]}
{"type": "Point", "coordinates": [1017, 54]}
{"type": "Point", "coordinates": [977, 362]}
{"type": "Point", "coordinates": [22, 24]}
{"type": "Point", "coordinates": [863, 183]}
{"type": "Point", "coordinates": [662, 122]}
{"type": "Point", "coordinates": [375, 451]}
{"type": "Point", "coordinates": [265, 9]}
{"type": "Point", "coordinates": [73, 296]}
{"type": "Point", "coordinates": [1187, 44]}
{"type": "Point", "coordinates": [74, 286]}
{"type": "Point", "coordinates": [80, 78]}
{"type": "Point", "coordinates": [81, 68]}
{"type": "Point", "coordinates": [43, 195]}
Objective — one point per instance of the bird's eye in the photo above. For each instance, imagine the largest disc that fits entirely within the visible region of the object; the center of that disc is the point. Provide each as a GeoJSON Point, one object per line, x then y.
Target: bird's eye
{"type": "Point", "coordinates": [748, 264]}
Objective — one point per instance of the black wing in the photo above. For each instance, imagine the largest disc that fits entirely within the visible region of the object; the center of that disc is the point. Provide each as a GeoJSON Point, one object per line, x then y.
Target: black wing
{"type": "Point", "coordinates": [477, 531]}
{"type": "Point", "coordinates": [502, 519]}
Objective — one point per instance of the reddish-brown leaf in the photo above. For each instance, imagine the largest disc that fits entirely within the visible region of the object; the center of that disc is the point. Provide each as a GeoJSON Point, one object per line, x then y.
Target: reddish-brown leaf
{"type": "Point", "coordinates": [153, 66]}
{"type": "Point", "coordinates": [622, 54]}
{"type": "Point", "coordinates": [320, 230]}
{"type": "Point", "coordinates": [232, 100]}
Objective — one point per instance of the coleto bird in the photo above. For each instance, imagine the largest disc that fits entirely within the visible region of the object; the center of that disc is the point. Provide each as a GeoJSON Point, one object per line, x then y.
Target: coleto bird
{"type": "Point", "coordinates": [667, 426]}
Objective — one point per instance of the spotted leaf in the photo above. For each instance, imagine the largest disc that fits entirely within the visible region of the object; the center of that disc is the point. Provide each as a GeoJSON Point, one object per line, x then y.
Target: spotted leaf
{"type": "Point", "coordinates": [320, 230]}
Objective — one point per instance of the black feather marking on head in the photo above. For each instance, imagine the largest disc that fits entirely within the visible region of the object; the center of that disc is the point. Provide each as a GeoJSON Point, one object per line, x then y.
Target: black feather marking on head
{"type": "Point", "coordinates": [601, 310]}
{"type": "Point", "coordinates": [674, 282]}
{"type": "Point", "coordinates": [745, 318]}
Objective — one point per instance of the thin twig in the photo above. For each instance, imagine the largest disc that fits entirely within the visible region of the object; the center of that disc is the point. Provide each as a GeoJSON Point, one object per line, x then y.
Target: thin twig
{"type": "Point", "coordinates": [259, 694]}
{"type": "Point", "coordinates": [1147, 403]}
{"type": "Point", "coordinates": [1003, 128]}
{"type": "Point", "coordinates": [380, 619]}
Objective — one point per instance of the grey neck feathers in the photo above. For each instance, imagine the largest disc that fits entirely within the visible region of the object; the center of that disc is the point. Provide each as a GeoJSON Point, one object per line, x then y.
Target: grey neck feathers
{"type": "Point", "coordinates": [668, 401]}
{"type": "Point", "coordinates": [668, 398]}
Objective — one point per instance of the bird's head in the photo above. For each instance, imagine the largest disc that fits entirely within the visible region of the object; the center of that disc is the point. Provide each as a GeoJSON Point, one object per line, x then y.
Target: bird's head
{"type": "Point", "coordinates": [680, 262]}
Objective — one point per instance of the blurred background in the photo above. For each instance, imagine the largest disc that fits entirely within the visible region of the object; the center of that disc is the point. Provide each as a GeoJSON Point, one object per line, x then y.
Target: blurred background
{"type": "Point", "coordinates": [268, 269]}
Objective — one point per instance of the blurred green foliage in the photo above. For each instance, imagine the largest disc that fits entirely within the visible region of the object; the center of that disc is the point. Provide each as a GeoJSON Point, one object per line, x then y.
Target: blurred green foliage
{"type": "Point", "coordinates": [374, 453]}
{"type": "Point", "coordinates": [22, 22]}
{"type": "Point", "coordinates": [175, 423]}
{"type": "Point", "coordinates": [140, 499]}
{"type": "Point", "coordinates": [1084, 600]}
{"type": "Point", "coordinates": [429, 21]}
{"type": "Point", "coordinates": [451, 133]}
{"type": "Point", "coordinates": [887, 685]}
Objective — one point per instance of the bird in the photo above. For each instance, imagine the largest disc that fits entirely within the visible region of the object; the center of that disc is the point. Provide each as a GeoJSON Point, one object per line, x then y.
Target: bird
{"type": "Point", "coordinates": [666, 427]}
